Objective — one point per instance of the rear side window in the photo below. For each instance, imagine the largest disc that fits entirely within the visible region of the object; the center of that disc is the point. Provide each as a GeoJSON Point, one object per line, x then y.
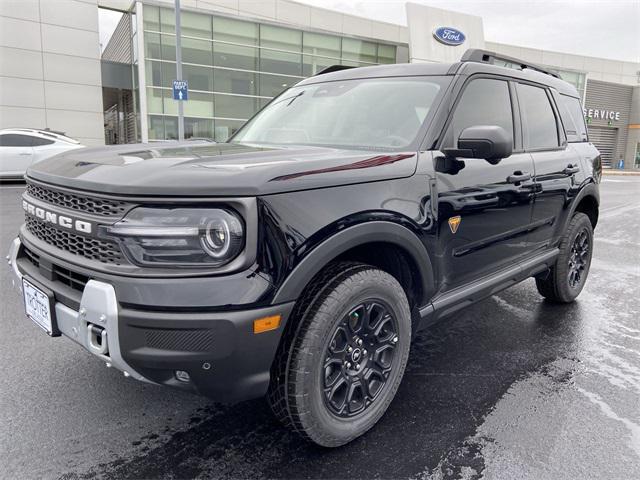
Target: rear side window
{"type": "Point", "coordinates": [485, 101]}
{"type": "Point", "coordinates": [573, 119]}
{"type": "Point", "coordinates": [38, 142]}
{"type": "Point", "coordinates": [539, 122]}
{"type": "Point", "coordinates": [14, 140]}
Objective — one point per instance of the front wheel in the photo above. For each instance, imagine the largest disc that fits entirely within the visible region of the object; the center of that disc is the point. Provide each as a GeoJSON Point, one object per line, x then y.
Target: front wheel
{"type": "Point", "coordinates": [567, 277]}
{"type": "Point", "coordinates": [340, 371]}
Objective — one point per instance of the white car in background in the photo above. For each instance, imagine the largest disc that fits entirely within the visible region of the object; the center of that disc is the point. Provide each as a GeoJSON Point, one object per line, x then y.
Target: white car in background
{"type": "Point", "coordinates": [22, 147]}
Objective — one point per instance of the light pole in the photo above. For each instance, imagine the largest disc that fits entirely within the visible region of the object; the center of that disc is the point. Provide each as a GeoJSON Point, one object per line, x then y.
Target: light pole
{"type": "Point", "coordinates": [179, 71]}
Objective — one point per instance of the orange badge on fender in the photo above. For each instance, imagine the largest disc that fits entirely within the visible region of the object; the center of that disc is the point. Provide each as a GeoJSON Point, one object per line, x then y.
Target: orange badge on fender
{"type": "Point", "coordinates": [454, 223]}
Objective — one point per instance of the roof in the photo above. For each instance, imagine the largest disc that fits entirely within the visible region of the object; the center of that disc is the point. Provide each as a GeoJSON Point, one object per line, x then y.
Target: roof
{"type": "Point", "coordinates": [394, 70]}
{"type": "Point", "coordinates": [468, 67]}
{"type": "Point", "coordinates": [42, 133]}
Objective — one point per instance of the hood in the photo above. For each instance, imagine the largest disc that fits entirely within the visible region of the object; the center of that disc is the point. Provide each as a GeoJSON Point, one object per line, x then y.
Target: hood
{"type": "Point", "coordinates": [222, 169]}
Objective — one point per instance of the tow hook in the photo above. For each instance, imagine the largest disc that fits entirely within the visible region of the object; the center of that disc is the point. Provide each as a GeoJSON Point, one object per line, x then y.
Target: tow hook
{"type": "Point", "coordinates": [97, 339]}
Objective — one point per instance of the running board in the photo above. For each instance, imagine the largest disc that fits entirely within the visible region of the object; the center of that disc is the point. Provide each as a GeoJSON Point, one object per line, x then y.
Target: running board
{"type": "Point", "coordinates": [461, 297]}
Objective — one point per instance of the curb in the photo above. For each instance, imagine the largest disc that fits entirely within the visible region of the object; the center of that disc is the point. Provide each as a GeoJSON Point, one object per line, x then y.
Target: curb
{"type": "Point", "coordinates": [613, 173]}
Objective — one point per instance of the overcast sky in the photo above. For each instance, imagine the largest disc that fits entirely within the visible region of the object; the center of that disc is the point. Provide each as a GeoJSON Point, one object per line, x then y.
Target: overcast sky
{"type": "Point", "coordinates": [600, 28]}
{"type": "Point", "coordinates": [108, 21]}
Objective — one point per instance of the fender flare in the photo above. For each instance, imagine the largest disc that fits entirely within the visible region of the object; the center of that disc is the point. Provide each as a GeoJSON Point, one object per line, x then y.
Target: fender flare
{"type": "Point", "coordinates": [332, 247]}
{"type": "Point", "coordinates": [589, 190]}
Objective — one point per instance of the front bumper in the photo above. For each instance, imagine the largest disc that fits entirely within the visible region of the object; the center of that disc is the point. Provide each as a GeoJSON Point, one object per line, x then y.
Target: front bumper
{"type": "Point", "coordinates": [219, 351]}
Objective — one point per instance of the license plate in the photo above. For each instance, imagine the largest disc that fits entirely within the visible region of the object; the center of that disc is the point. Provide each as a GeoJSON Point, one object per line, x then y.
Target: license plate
{"type": "Point", "coordinates": [38, 306]}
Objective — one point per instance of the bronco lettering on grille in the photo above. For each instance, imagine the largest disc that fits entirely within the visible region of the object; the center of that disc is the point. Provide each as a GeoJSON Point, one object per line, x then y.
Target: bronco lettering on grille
{"type": "Point", "coordinates": [57, 219]}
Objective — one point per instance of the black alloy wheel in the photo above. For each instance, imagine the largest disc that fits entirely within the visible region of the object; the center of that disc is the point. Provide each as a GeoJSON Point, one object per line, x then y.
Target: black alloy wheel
{"type": "Point", "coordinates": [359, 358]}
{"type": "Point", "coordinates": [340, 364]}
{"type": "Point", "coordinates": [578, 260]}
{"type": "Point", "coordinates": [563, 282]}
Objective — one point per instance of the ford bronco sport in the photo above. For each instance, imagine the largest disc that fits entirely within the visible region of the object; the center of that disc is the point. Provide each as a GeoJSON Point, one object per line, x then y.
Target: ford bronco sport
{"type": "Point", "coordinates": [298, 259]}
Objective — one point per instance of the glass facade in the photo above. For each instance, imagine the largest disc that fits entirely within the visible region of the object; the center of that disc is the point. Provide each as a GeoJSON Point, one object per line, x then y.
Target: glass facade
{"type": "Point", "coordinates": [574, 77]}
{"type": "Point", "coordinates": [234, 68]}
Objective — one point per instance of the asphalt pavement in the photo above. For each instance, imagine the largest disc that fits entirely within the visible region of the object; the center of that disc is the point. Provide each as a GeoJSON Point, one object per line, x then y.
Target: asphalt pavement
{"type": "Point", "coordinates": [511, 388]}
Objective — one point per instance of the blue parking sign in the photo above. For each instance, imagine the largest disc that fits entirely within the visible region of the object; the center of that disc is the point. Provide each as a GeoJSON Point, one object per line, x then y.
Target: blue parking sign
{"type": "Point", "coordinates": [180, 90]}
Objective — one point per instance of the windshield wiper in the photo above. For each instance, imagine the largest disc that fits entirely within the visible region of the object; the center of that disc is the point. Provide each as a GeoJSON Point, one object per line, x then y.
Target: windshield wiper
{"type": "Point", "coordinates": [291, 99]}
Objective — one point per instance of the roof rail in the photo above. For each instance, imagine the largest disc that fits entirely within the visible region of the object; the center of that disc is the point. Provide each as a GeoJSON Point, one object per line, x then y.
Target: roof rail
{"type": "Point", "coordinates": [484, 56]}
{"type": "Point", "coordinates": [53, 134]}
{"type": "Point", "coordinates": [333, 68]}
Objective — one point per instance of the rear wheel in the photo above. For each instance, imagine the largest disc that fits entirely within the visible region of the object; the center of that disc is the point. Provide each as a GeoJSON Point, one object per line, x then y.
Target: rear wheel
{"type": "Point", "coordinates": [341, 369]}
{"type": "Point", "coordinates": [567, 277]}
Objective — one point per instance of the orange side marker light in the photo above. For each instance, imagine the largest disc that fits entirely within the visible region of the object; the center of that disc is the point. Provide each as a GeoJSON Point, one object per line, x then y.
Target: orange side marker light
{"type": "Point", "coordinates": [266, 324]}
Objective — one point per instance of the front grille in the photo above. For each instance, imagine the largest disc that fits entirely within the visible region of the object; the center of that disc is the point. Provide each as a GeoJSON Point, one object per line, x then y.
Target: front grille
{"type": "Point", "coordinates": [80, 203]}
{"type": "Point", "coordinates": [34, 258]}
{"type": "Point", "coordinates": [75, 280]}
{"type": "Point", "coordinates": [90, 248]}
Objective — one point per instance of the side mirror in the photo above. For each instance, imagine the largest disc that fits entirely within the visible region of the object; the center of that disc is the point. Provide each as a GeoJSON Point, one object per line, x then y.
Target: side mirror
{"type": "Point", "coordinates": [490, 142]}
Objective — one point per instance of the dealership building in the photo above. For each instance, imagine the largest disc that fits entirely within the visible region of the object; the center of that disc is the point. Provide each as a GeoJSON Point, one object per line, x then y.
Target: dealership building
{"type": "Point", "coordinates": [237, 55]}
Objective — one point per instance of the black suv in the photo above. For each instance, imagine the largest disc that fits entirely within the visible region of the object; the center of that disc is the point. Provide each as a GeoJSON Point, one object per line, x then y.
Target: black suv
{"type": "Point", "coordinates": [299, 259]}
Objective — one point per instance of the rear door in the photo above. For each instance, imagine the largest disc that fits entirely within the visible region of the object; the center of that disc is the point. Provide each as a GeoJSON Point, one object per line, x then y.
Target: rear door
{"type": "Point", "coordinates": [572, 117]}
{"type": "Point", "coordinates": [16, 154]}
{"type": "Point", "coordinates": [555, 164]}
{"type": "Point", "coordinates": [484, 209]}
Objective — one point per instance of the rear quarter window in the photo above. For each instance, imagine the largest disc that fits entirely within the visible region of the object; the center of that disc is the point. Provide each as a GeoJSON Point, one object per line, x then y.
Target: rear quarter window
{"type": "Point", "coordinates": [39, 142]}
{"type": "Point", "coordinates": [573, 119]}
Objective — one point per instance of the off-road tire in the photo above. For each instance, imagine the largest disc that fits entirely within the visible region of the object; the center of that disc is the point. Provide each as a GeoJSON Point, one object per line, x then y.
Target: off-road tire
{"type": "Point", "coordinates": [555, 286]}
{"type": "Point", "coordinates": [295, 393]}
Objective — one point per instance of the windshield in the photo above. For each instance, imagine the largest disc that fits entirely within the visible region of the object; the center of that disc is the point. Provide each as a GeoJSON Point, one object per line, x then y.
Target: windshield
{"type": "Point", "coordinates": [378, 113]}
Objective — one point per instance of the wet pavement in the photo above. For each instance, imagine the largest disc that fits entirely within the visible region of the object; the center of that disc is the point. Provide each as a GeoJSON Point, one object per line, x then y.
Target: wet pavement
{"type": "Point", "coordinates": [511, 388]}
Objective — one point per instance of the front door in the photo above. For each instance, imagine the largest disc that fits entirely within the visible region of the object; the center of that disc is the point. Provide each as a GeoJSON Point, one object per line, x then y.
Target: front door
{"type": "Point", "coordinates": [484, 209]}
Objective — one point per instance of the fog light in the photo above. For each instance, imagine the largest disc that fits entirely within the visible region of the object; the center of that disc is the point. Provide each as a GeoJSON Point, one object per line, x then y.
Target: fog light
{"type": "Point", "coordinates": [265, 324]}
{"type": "Point", "coordinates": [183, 376]}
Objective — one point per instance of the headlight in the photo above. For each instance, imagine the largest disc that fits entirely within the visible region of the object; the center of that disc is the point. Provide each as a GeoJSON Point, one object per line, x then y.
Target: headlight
{"type": "Point", "coordinates": [188, 237]}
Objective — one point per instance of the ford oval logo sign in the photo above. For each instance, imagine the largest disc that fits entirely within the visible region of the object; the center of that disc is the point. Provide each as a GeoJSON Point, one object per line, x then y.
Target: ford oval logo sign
{"type": "Point", "coordinates": [449, 36]}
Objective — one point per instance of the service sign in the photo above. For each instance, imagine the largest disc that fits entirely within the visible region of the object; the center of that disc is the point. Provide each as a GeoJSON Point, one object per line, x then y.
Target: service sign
{"type": "Point", "coordinates": [449, 36]}
{"type": "Point", "coordinates": [602, 114]}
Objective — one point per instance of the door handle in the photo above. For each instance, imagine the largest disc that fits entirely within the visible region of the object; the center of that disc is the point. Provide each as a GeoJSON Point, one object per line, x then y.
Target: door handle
{"type": "Point", "coordinates": [24, 154]}
{"type": "Point", "coordinates": [518, 177]}
{"type": "Point", "coordinates": [571, 169]}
